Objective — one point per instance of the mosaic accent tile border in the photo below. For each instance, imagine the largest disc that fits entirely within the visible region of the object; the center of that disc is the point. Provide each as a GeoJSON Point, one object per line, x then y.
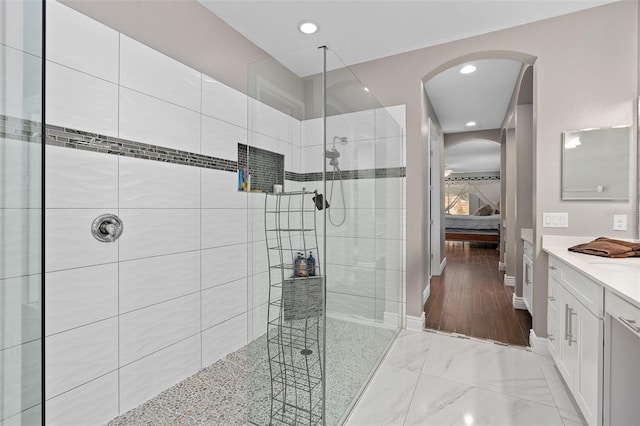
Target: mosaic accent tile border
{"type": "Point", "coordinates": [20, 129]}
{"type": "Point", "coordinates": [30, 131]}
{"type": "Point", "coordinates": [471, 178]}
{"type": "Point", "coordinates": [70, 138]}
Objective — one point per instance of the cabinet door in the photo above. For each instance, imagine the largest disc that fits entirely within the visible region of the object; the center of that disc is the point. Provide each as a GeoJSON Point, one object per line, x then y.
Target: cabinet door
{"type": "Point", "coordinates": [586, 336]}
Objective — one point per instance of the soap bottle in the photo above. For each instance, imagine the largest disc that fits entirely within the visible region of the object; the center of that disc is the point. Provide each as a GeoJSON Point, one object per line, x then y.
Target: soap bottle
{"type": "Point", "coordinates": [311, 265]}
{"type": "Point", "coordinates": [302, 266]}
{"type": "Point", "coordinates": [296, 265]}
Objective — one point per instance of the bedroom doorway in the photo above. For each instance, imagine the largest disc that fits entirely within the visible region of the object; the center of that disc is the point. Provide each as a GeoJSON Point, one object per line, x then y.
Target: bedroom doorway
{"type": "Point", "coordinates": [469, 106]}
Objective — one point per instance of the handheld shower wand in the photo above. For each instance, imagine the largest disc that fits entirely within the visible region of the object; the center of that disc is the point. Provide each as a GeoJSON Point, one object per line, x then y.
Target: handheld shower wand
{"type": "Point", "coordinates": [333, 154]}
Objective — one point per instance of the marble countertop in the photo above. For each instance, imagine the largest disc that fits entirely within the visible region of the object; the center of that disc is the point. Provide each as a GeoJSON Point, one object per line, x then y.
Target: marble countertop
{"type": "Point", "coordinates": [527, 235]}
{"type": "Point", "coordinates": [625, 283]}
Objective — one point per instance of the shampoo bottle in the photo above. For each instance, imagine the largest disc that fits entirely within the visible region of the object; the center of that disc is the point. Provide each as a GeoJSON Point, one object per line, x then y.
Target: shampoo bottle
{"type": "Point", "coordinates": [302, 266]}
{"type": "Point", "coordinates": [311, 265]}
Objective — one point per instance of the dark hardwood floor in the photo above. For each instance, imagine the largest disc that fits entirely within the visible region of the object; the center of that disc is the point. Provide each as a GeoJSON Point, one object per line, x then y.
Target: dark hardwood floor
{"type": "Point", "coordinates": [470, 297]}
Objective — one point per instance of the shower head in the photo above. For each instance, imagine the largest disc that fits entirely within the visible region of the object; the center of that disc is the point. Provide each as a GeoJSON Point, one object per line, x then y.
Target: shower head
{"type": "Point", "coordinates": [332, 153]}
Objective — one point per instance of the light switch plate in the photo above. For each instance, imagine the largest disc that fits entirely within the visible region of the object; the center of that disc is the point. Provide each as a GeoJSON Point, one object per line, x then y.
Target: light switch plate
{"type": "Point", "coordinates": [555, 220]}
{"type": "Point", "coordinates": [619, 222]}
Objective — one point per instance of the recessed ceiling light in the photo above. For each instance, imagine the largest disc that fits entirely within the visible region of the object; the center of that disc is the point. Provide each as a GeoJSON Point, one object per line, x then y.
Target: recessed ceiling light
{"type": "Point", "coordinates": [467, 69]}
{"type": "Point", "coordinates": [308, 27]}
{"type": "Point", "coordinates": [366, 89]}
{"type": "Point", "coordinates": [471, 123]}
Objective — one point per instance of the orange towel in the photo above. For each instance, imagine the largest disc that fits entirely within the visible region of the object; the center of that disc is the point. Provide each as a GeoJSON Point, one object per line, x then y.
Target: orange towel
{"type": "Point", "coordinates": [607, 247]}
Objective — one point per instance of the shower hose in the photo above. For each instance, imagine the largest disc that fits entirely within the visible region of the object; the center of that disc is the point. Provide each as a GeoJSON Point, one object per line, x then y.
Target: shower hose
{"type": "Point", "coordinates": [344, 207]}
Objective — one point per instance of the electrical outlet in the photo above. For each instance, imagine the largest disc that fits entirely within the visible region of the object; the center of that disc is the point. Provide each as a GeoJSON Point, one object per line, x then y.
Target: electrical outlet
{"type": "Point", "coordinates": [619, 222]}
{"type": "Point", "coordinates": [555, 220]}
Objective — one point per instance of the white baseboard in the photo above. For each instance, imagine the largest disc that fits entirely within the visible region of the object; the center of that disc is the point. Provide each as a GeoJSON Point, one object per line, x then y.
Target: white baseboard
{"type": "Point", "coordinates": [426, 293]}
{"type": "Point", "coordinates": [415, 323]}
{"type": "Point", "coordinates": [518, 302]}
{"type": "Point", "coordinates": [391, 319]}
{"type": "Point", "coordinates": [502, 266]}
{"type": "Point", "coordinates": [443, 265]}
{"type": "Point", "coordinates": [509, 281]}
{"type": "Point", "coordinates": [539, 345]}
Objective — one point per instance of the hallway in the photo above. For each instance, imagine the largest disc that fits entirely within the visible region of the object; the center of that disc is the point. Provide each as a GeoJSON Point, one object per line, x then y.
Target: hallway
{"type": "Point", "coordinates": [470, 297]}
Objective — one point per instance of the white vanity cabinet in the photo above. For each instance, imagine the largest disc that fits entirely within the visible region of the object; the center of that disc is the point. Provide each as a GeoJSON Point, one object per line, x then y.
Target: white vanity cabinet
{"type": "Point", "coordinates": [527, 275]}
{"type": "Point", "coordinates": [621, 362]}
{"type": "Point", "coordinates": [575, 330]}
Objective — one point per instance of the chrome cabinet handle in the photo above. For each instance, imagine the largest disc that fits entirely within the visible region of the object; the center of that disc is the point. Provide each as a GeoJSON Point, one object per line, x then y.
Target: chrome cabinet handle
{"type": "Point", "coordinates": [551, 268]}
{"type": "Point", "coordinates": [107, 228]}
{"type": "Point", "coordinates": [552, 299]}
{"type": "Point", "coordinates": [571, 314]}
{"type": "Point", "coordinates": [551, 338]}
{"type": "Point", "coordinates": [566, 321]}
{"type": "Point", "coordinates": [630, 323]}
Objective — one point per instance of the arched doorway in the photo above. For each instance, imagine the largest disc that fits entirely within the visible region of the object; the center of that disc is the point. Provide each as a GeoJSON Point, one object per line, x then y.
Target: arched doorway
{"type": "Point", "coordinates": [487, 137]}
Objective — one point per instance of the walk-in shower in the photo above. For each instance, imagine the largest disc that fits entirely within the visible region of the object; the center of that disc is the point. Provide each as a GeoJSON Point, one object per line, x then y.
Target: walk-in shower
{"type": "Point", "coordinates": [175, 327]}
{"type": "Point", "coordinates": [332, 155]}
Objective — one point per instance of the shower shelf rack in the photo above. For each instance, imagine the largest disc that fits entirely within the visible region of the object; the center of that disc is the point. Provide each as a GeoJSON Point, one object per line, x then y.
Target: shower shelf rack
{"type": "Point", "coordinates": [295, 311]}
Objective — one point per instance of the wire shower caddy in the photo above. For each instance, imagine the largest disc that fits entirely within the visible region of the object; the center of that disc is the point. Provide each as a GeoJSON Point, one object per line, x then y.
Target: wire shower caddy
{"type": "Point", "coordinates": [295, 310]}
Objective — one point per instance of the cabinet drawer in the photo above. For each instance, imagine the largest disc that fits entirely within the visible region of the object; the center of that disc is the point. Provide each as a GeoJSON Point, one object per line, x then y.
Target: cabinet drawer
{"type": "Point", "coordinates": [623, 311]}
{"type": "Point", "coordinates": [587, 292]}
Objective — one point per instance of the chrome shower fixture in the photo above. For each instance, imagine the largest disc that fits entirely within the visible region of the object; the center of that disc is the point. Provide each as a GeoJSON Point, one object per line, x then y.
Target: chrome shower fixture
{"type": "Point", "coordinates": [341, 139]}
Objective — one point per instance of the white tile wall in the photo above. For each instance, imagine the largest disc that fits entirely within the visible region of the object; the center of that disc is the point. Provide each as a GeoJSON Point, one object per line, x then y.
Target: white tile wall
{"type": "Point", "coordinates": [153, 280]}
{"type": "Point", "coordinates": [149, 71]}
{"type": "Point", "coordinates": [76, 297]}
{"type": "Point", "coordinates": [69, 241]}
{"type": "Point", "coordinates": [147, 330]}
{"type": "Point", "coordinates": [268, 121]}
{"type": "Point", "coordinates": [80, 179]}
{"type": "Point", "coordinates": [23, 162]}
{"type": "Point", "coordinates": [223, 102]}
{"type": "Point", "coordinates": [220, 138]}
{"type": "Point", "coordinates": [149, 376]}
{"type": "Point", "coordinates": [21, 98]}
{"type": "Point", "coordinates": [148, 184]}
{"type": "Point", "coordinates": [81, 43]}
{"type": "Point", "coordinates": [81, 101]}
{"type": "Point", "coordinates": [223, 227]}
{"type": "Point", "coordinates": [21, 378]}
{"type": "Point", "coordinates": [93, 403]}
{"type": "Point", "coordinates": [157, 122]}
{"type": "Point", "coordinates": [32, 416]}
{"type": "Point", "coordinates": [219, 190]}
{"type": "Point", "coordinates": [223, 302]}
{"type": "Point", "coordinates": [80, 355]}
{"type": "Point", "coordinates": [20, 310]}
{"type": "Point", "coordinates": [355, 126]}
{"type": "Point", "coordinates": [221, 265]}
{"type": "Point", "coordinates": [155, 232]}
{"type": "Point", "coordinates": [16, 31]}
{"type": "Point", "coordinates": [24, 256]}
{"type": "Point", "coordinates": [224, 338]}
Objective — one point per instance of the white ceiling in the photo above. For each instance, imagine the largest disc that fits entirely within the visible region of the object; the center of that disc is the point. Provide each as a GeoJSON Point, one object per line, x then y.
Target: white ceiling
{"type": "Point", "coordinates": [482, 96]}
{"type": "Point", "coordinates": [359, 31]}
{"type": "Point", "coordinates": [473, 156]}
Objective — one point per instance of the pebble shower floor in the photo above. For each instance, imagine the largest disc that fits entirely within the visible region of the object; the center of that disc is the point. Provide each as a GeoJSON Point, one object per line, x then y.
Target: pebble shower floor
{"type": "Point", "coordinates": [218, 394]}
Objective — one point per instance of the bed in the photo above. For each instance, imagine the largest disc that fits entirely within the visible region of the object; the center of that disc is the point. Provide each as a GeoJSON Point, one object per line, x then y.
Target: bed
{"type": "Point", "coordinates": [472, 228]}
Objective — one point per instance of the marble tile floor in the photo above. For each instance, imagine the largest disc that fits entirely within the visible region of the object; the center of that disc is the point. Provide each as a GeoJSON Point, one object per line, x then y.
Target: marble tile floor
{"type": "Point", "coordinates": [431, 378]}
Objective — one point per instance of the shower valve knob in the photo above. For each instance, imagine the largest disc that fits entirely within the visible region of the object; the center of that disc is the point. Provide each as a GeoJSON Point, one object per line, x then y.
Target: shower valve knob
{"type": "Point", "coordinates": [107, 228]}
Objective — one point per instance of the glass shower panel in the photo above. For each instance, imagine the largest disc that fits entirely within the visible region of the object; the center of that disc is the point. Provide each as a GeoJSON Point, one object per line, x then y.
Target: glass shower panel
{"type": "Point", "coordinates": [309, 365]}
{"type": "Point", "coordinates": [286, 322]}
{"type": "Point", "coordinates": [20, 212]}
{"type": "Point", "coordinates": [362, 291]}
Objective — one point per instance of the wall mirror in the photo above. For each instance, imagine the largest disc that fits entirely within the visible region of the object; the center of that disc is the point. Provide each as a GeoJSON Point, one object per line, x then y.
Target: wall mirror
{"type": "Point", "coordinates": [595, 164]}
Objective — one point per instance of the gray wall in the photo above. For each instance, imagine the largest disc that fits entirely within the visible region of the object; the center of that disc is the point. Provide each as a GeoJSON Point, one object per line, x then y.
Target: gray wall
{"type": "Point", "coordinates": [581, 79]}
